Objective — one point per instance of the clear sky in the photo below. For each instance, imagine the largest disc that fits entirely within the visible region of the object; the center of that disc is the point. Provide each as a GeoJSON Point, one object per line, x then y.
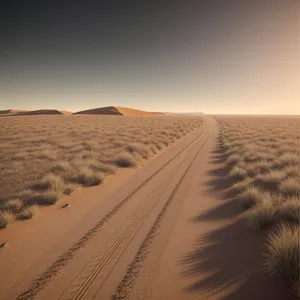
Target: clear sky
{"type": "Point", "coordinates": [213, 56]}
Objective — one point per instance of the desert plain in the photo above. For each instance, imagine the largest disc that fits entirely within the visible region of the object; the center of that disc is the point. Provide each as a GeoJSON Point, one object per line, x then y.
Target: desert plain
{"type": "Point", "coordinates": [124, 204]}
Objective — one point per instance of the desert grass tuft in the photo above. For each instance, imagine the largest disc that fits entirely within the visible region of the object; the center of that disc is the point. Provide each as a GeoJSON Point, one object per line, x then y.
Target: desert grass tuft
{"type": "Point", "coordinates": [292, 170]}
{"type": "Point", "coordinates": [125, 160]}
{"type": "Point", "coordinates": [282, 257]}
{"type": "Point", "coordinates": [14, 204]}
{"type": "Point", "coordinates": [262, 215]}
{"type": "Point", "coordinates": [29, 212]}
{"type": "Point", "coordinates": [295, 287]}
{"type": "Point", "coordinates": [88, 176]}
{"type": "Point", "coordinates": [291, 209]}
{"type": "Point", "coordinates": [5, 217]}
{"type": "Point", "coordinates": [233, 159]}
{"type": "Point", "coordinates": [70, 187]}
{"type": "Point", "coordinates": [26, 193]}
{"type": "Point", "coordinates": [53, 195]}
{"type": "Point", "coordinates": [237, 173]}
{"type": "Point", "coordinates": [290, 186]}
{"type": "Point", "coordinates": [271, 179]}
{"type": "Point", "coordinates": [138, 149]}
{"type": "Point", "coordinates": [250, 197]}
{"type": "Point", "coordinates": [106, 168]}
{"type": "Point", "coordinates": [242, 185]}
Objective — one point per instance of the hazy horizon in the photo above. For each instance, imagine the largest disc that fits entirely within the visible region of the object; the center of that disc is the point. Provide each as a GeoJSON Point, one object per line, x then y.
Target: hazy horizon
{"type": "Point", "coordinates": [216, 57]}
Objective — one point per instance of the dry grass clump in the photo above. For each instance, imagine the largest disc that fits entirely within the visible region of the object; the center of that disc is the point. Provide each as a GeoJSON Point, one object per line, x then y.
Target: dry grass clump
{"type": "Point", "coordinates": [283, 248]}
{"type": "Point", "coordinates": [237, 173]}
{"type": "Point", "coordinates": [5, 217]}
{"type": "Point", "coordinates": [107, 168]}
{"type": "Point", "coordinates": [292, 170]}
{"type": "Point", "coordinates": [29, 211]}
{"type": "Point", "coordinates": [139, 149]}
{"type": "Point", "coordinates": [125, 160]}
{"type": "Point", "coordinates": [290, 186]}
{"type": "Point", "coordinates": [53, 195]}
{"type": "Point", "coordinates": [267, 150]}
{"type": "Point", "coordinates": [233, 159]}
{"type": "Point", "coordinates": [242, 185]}
{"type": "Point", "coordinates": [262, 214]}
{"type": "Point", "coordinates": [14, 204]}
{"type": "Point", "coordinates": [291, 209]}
{"type": "Point", "coordinates": [87, 176]}
{"type": "Point", "coordinates": [70, 187]}
{"type": "Point", "coordinates": [250, 197]}
{"type": "Point", "coordinates": [270, 180]}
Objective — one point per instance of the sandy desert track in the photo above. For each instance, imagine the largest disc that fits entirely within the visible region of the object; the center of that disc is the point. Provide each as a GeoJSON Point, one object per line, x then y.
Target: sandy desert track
{"type": "Point", "coordinates": [140, 246]}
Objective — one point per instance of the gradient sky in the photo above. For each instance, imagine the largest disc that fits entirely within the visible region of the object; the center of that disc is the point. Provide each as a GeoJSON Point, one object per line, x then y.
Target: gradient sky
{"type": "Point", "coordinates": [223, 56]}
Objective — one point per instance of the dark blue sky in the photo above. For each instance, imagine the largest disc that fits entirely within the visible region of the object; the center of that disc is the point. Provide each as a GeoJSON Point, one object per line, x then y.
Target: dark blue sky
{"type": "Point", "coordinates": [212, 56]}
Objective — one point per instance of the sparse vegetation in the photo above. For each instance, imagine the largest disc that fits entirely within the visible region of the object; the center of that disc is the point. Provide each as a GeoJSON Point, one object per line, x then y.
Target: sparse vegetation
{"type": "Point", "coordinates": [5, 217]}
{"type": "Point", "coordinates": [250, 197]}
{"type": "Point", "coordinates": [262, 214]}
{"type": "Point", "coordinates": [266, 151]}
{"type": "Point", "coordinates": [291, 209]}
{"type": "Point", "coordinates": [29, 212]}
{"type": "Point", "coordinates": [53, 195]}
{"type": "Point", "coordinates": [70, 188]}
{"type": "Point", "coordinates": [87, 176]}
{"type": "Point", "coordinates": [14, 204]}
{"type": "Point", "coordinates": [44, 158]}
{"type": "Point", "coordinates": [282, 257]}
{"type": "Point", "coordinates": [125, 160]}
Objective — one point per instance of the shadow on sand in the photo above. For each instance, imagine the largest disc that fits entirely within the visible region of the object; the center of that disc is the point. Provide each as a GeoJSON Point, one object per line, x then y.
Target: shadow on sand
{"type": "Point", "coordinates": [228, 260]}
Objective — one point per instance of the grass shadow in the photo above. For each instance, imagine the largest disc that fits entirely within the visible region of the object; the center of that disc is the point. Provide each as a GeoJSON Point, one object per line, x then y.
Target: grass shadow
{"type": "Point", "coordinates": [230, 259]}
{"type": "Point", "coordinates": [227, 260]}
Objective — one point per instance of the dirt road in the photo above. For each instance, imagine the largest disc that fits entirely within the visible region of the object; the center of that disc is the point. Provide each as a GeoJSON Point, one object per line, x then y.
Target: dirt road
{"type": "Point", "coordinates": [166, 233]}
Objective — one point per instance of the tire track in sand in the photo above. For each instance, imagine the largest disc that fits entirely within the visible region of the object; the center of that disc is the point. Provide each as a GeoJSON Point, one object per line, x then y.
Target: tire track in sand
{"type": "Point", "coordinates": [124, 288]}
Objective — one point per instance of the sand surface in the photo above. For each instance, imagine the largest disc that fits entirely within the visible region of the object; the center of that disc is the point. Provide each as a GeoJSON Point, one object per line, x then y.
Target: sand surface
{"type": "Point", "coordinates": [164, 231]}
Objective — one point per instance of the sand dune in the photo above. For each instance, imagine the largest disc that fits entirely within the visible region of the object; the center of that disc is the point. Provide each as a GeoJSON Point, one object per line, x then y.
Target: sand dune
{"type": "Point", "coordinates": [116, 110]}
{"type": "Point", "coordinates": [108, 110]}
{"type": "Point", "coordinates": [14, 112]}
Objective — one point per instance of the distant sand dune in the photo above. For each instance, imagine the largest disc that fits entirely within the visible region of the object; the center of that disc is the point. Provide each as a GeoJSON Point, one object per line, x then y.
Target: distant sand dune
{"type": "Point", "coordinates": [108, 110]}
{"type": "Point", "coordinates": [116, 110]}
{"type": "Point", "coordinates": [12, 111]}
{"type": "Point", "coordinates": [44, 112]}
{"type": "Point", "coordinates": [16, 112]}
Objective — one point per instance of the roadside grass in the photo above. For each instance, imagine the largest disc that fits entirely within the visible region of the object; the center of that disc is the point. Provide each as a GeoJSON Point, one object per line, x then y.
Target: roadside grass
{"type": "Point", "coordinates": [125, 160]}
{"type": "Point", "coordinates": [290, 210]}
{"type": "Point", "coordinates": [263, 161]}
{"type": "Point", "coordinates": [5, 217]}
{"type": "Point", "coordinates": [52, 195]}
{"type": "Point", "coordinates": [45, 158]}
{"type": "Point", "coordinates": [250, 197]}
{"type": "Point", "coordinates": [13, 205]}
{"type": "Point", "coordinates": [262, 214]}
{"type": "Point", "coordinates": [29, 211]}
{"type": "Point", "coordinates": [282, 256]}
